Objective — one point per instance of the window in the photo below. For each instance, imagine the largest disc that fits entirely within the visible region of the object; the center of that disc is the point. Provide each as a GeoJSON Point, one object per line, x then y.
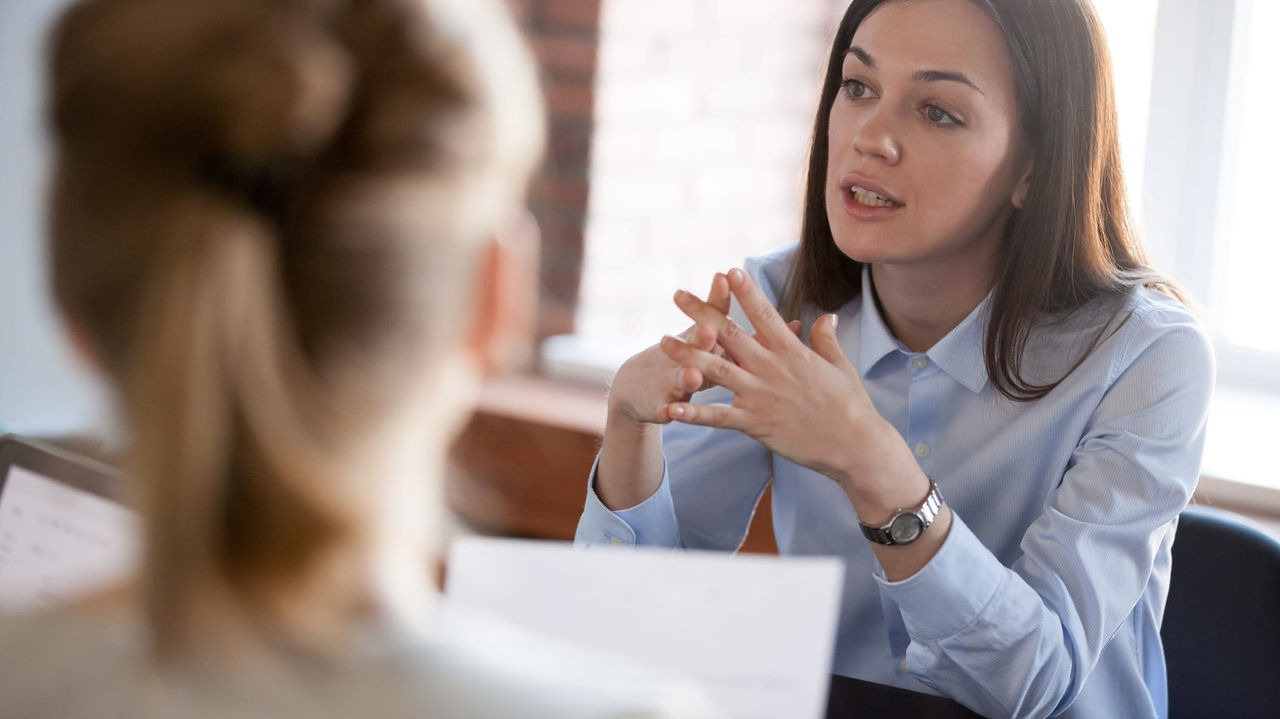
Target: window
{"type": "Point", "coordinates": [1250, 241]}
{"type": "Point", "coordinates": [1134, 21]}
{"type": "Point", "coordinates": [1208, 165]}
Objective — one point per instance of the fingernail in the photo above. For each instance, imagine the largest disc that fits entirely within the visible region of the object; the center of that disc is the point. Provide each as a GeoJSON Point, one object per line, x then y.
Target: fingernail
{"type": "Point", "coordinates": [835, 320]}
{"type": "Point", "coordinates": [677, 411]}
{"type": "Point", "coordinates": [736, 276]}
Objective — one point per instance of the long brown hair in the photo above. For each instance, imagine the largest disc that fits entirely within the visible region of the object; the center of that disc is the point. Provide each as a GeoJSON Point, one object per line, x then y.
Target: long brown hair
{"type": "Point", "coordinates": [264, 216]}
{"type": "Point", "coordinates": [1072, 242]}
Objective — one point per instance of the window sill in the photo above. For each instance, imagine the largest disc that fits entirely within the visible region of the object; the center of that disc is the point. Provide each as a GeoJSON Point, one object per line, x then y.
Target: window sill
{"type": "Point", "coordinates": [1237, 473]}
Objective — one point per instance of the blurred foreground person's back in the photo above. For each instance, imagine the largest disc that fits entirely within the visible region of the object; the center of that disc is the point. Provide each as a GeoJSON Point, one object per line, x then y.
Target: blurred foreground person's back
{"type": "Point", "coordinates": [291, 234]}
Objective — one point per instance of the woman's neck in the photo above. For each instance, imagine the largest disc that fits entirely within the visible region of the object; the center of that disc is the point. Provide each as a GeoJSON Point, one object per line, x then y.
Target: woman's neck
{"type": "Point", "coordinates": [384, 572]}
{"type": "Point", "coordinates": [405, 527]}
{"type": "Point", "coordinates": [403, 537]}
{"type": "Point", "coordinates": [921, 303]}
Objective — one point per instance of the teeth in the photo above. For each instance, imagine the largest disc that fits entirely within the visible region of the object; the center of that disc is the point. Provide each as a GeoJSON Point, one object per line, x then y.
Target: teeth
{"type": "Point", "coordinates": [867, 197]}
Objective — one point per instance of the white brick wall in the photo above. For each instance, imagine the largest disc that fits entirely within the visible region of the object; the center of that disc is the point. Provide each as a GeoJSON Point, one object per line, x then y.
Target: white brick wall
{"type": "Point", "coordinates": [703, 112]}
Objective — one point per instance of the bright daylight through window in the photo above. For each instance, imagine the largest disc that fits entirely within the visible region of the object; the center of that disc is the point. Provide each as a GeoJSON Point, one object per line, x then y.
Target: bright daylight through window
{"type": "Point", "coordinates": [1250, 240]}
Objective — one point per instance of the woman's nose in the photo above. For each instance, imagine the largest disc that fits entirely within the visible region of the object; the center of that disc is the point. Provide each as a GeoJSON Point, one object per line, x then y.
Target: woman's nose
{"type": "Point", "coordinates": [874, 137]}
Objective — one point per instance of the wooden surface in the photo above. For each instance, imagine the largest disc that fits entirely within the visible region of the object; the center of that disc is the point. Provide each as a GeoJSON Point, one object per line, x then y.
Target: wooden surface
{"type": "Point", "coordinates": [521, 465]}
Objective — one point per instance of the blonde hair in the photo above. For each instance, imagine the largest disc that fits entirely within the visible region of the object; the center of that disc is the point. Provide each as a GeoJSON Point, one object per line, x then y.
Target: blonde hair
{"type": "Point", "coordinates": [264, 215]}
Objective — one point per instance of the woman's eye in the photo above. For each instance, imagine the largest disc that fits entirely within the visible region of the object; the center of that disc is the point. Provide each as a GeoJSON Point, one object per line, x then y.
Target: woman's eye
{"type": "Point", "coordinates": [938, 116]}
{"type": "Point", "coordinates": [856, 89]}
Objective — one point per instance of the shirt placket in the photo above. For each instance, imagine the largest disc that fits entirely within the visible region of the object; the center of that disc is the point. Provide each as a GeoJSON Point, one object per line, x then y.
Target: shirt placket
{"type": "Point", "coordinates": [921, 432]}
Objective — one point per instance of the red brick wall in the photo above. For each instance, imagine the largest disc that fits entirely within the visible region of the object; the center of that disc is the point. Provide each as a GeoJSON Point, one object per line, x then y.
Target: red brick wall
{"type": "Point", "coordinates": [564, 35]}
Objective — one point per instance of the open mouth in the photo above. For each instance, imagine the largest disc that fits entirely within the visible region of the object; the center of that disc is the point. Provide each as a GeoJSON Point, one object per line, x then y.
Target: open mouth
{"type": "Point", "coordinates": [869, 198]}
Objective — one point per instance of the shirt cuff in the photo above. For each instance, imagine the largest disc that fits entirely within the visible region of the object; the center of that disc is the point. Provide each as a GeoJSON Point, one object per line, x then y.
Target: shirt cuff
{"type": "Point", "coordinates": [650, 523]}
{"type": "Point", "coordinates": [951, 590]}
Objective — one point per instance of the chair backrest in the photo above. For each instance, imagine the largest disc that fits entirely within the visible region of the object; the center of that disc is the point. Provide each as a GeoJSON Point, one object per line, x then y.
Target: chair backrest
{"type": "Point", "coordinates": [1221, 628]}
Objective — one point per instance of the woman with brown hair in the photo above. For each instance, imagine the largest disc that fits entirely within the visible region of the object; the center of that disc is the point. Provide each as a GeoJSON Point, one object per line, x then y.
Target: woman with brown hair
{"type": "Point", "coordinates": [998, 410]}
{"type": "Point", "coordinates": [291, 234]}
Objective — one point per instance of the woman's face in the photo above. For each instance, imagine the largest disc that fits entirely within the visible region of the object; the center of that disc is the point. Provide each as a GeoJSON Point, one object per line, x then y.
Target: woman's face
{"type": "Point", "coordinates": [926, 160]}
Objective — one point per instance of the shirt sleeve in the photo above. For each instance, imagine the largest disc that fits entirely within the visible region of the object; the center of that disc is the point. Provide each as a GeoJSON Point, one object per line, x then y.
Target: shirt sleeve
{"type": "Point", "coordinates": [1022, 640]}
{"type": "Point", "coordinates": [712, 480]}
{"type": "Point", "coordinates": [650, 523]}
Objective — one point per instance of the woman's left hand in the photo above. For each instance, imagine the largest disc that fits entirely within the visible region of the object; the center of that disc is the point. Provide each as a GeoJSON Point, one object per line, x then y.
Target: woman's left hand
{"type": "Point", "coordinates": [807, 405]}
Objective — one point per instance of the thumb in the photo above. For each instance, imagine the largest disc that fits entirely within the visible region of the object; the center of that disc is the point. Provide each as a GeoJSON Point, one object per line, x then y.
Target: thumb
{"type": "Point", "coordinates": [822, 338]}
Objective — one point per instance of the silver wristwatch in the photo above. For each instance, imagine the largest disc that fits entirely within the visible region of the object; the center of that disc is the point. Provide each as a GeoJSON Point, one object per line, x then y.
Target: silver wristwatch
{"type": "Point", "coordinates": [908, 524]}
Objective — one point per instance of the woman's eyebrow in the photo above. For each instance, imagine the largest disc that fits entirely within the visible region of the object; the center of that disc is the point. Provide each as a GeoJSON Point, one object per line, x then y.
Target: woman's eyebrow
{"type": "Point", "coordinates": [862, 55]}
{"type": "Point", "coordinates": [945, 76]}
{"type": "Point", "coordinates": [919, 75]}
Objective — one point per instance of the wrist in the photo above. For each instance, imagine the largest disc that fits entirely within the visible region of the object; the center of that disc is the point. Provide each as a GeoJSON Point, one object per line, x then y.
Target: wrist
{"type": "Point", "coordinates": [866, 460]}
{"type": "Point", "coordinates": [630, 465]}
{"type": "Point", "coordinates": [879, 506]}
{"type": "Point", "coordinates": [626, 403]}
{"type": "Point", "coordinates": [907, 524]}
{"type": "Point", "coordinates": [882, 476]}
{"type": "Point", "coordinates": [620, 420]}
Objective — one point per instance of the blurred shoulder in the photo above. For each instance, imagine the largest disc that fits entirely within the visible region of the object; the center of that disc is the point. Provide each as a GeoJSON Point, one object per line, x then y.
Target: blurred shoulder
{"type": "Point", "coordinates": [77, 665]}
{"type": "Point", "coordinates": [67, 664]}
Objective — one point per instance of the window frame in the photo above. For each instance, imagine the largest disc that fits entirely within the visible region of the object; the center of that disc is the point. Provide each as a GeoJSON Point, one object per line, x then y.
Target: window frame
{"type": "Point", "coordinates": [1197, 90]}
{"type": "Point", "coordinates": [1192, 146]}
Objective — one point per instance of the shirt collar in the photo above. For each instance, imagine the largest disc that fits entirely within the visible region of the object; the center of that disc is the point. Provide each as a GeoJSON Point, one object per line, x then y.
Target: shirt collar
{"type": "Point", "coordinates": [875, 340]}
{"type": "Point", "coordinates": [959, 353]}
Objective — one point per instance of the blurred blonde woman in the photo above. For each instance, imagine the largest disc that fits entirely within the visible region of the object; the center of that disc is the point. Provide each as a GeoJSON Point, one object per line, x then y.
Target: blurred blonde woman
{"type": "Point", "coordinates": [291, 234]}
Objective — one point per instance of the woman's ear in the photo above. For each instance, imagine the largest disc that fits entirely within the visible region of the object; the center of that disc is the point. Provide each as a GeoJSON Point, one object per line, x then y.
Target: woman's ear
{"type": "Point", "coordinates": [1020, 190]}
{"type": "Point", "coordinates": [505, 298]}
{"type": "Point", "coordinates": [82, 347]}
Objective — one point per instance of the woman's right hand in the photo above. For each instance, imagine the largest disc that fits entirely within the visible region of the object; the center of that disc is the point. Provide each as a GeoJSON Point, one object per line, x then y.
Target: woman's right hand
{"type": "Point", "coordinates": [650, 380]}
{"type": "Point", "coordinates": [631, 462]}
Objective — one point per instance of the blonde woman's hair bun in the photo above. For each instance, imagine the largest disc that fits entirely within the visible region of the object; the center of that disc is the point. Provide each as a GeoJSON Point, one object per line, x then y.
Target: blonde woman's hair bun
{"type": "Point", "coordinates": [248, 84]}
{"type": "Point", "coordinates": [278, 91]}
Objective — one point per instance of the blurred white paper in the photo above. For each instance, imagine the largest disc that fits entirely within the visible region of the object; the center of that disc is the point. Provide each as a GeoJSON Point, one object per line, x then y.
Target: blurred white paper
{"type": "Point", "coordinates": [756, 633]}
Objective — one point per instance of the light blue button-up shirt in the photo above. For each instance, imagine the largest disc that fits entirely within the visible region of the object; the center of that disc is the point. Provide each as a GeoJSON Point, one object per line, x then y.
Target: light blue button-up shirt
{"type": "Point", "coordinates": [1047, 595]}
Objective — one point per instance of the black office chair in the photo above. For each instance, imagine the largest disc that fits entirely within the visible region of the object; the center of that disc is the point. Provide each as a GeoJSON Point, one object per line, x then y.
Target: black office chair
{"type": "Point", "coordinates": [1221, 628]}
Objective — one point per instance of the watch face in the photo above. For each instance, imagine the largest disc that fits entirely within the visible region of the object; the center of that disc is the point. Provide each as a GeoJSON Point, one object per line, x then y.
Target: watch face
{"type": "Point", "coordinates": [905, 528]}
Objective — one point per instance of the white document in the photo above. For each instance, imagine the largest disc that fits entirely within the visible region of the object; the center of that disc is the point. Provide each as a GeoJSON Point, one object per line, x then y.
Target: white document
{"type": "Point", "coordinates": [756, 633]}
{"type": "Point", "coordinates": [58, 543]}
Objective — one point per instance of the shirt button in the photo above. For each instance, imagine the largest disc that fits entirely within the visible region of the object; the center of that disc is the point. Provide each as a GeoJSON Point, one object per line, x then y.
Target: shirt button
{"type": "Point", "coordinates": [920, 362]}
{"type": "Point", "coordinates": [922, 450]}
{"type": "Point", "coordinates": [615, 541]}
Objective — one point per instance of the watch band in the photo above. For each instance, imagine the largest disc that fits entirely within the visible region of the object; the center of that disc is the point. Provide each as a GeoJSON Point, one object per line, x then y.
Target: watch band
{"type": "Point", "coordinates": [907, 525]}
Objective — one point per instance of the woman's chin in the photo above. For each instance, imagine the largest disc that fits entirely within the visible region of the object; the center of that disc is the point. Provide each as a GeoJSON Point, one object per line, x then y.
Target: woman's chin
{"type": "Point", "coordinates": [869, 250]}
